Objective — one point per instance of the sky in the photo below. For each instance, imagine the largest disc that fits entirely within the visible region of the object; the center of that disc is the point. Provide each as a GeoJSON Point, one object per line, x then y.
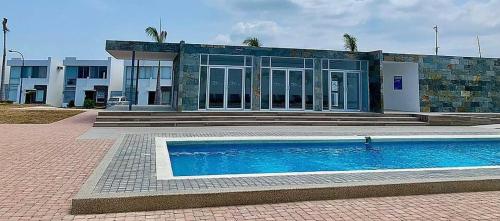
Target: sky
{"type": "Point", "coordinates": [79, 28]}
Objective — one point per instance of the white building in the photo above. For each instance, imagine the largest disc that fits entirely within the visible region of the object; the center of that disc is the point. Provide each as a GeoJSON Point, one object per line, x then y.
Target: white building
{"type": "Point", "coordinates": [91, 79]}
{"type": "Point", "coordinates": [146, 89]}
{"type": "Point", "coordinates": [41, 81]}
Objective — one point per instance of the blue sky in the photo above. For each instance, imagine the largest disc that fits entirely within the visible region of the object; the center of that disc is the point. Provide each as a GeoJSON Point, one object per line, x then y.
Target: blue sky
{"type": "Point", "coordinates": [79, 28]}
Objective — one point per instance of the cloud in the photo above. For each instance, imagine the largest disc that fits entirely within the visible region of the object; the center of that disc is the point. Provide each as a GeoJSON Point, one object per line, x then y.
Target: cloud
{"type": "Point", "coordinates": [393, 25]}
{"type": "Point", "coordinates": [222, 39]}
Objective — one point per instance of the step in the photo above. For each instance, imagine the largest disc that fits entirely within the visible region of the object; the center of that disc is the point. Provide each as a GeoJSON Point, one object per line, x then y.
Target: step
{"type": "Point", "coordinates": [241, 113]}
{"type": "Point", "coordinates": [255, 123]}
{"type": "Point", "coordinates": [248, 118]}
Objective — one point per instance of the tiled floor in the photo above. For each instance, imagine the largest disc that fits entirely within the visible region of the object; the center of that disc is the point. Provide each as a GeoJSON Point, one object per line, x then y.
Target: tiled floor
{"type": "Point", "coordinates": [43, 166]}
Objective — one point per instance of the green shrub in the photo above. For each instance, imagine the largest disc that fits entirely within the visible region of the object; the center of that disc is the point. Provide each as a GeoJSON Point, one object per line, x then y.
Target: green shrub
{"type": "Point", "coordinates": [89, 103]}
{"type": "Point", "coordinates": [6, 102]}
{"type": "Point", "coordinates": [71, 104]}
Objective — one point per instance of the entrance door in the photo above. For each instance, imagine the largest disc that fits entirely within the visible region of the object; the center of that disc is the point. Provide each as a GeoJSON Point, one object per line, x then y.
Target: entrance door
{"type": "Point", "coordinates": [344, 90]}
{"type": "Point", "coordinates": [151, 97]}
{"type": "Point", "coordinates": [295, 89]}
{"type": "Point", "coordinates": [225, 88]}
{"type": "Point", "coordinates": [352, 88]}
{"type": "Point", "coordinates": [336, 90]}
{"type": "Point", "coordinates": [287, 89]}
{"type": "Point", "coordinates": [278, 88]}
{"type": "Point", "coordinates": [234, 94]}
{"type": "Point", "coordinates": [216, 88]}
{"type": "Point", "coordinates": [30, 97]}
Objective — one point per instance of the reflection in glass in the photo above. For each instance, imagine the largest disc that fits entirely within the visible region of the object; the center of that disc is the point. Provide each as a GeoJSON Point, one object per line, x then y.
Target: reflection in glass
{"type": "Point", "coordinates": [234, 88]}
{"type": "Point", "coordinates": [353, 91]}
{"type": "Point", "coordinates": [295, 90]}
{"type": "Point", "coordinates": [337, 90]}
{"type": "Point", "coordinates": [278, 89]}
{"type": "Point", "coordinates": [216, 88]}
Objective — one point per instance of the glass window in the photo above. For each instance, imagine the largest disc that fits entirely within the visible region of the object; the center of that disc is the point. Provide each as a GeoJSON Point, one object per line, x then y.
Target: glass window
{"type": "Point", "coordinates": [83, 72]}
{"type": "Point", "coordinates": [345, 65]}
{"type": "Point", "coordinates": [203, 88]}
{"type": "Point", "coordinates": [248, 88]}
{"type": "Point", "coordinates": [70, 75]}
{"type": "Point", "coordinates": [287, 62]}
{"type": "Point", "coordinates": [265, 89]}
{"type": "Point", "coordinates": [103, 72]}
{"type": "Point", "coordinates": [324, 64]}
{"type": "Point", "coordinates": [325, 90]}
{"type": "Point", "coordinates": [248, 61]}
{"type": "Point", "coordinates": [166, 73]}
{"type": "Point", "coordinates": [309, 63]}
{"type": "Point", "coordinates": [145, 72]}
{"type": "Point", "coordinates": [309, 89]}
{"type": "Point", "coordinates": [227, 60]}
{"type": "Point", "coordinates": [266, 62]}
{"type": "Point", "coordinates": [39, 72]}
{"type": "Point", "coordinates": [26, 72]}
{"type": "Point", "coordinates": [204, 59]}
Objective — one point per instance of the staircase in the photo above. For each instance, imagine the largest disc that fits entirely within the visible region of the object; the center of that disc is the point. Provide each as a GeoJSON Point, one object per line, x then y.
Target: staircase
{"type": "Point", "coordinates": [201, 119]}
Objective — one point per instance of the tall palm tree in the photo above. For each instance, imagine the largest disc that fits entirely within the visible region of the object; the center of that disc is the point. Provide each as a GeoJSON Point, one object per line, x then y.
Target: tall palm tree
{"type": "Point", "coordinates": [252, 42]}
{"type": "Point", "coordinates": [158, 36]}
{"type": "Point", "coordinates": [350, 43]}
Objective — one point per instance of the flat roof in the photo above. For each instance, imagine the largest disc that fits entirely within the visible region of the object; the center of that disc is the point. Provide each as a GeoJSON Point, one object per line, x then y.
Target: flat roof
{"type": "Point", "coordinates": [143, 50]}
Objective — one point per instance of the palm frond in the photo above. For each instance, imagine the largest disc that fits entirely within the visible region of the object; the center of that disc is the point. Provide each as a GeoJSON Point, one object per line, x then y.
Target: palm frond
{"type": "Point", "coordinates": [350, 43]}
{"type": "Point", "coordinates": [153, 33]}
{"type": "Point", "coordinates": [252, 42]}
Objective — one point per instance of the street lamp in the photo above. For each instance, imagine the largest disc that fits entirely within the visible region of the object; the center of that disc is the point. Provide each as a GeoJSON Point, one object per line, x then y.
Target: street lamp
{"type": "Point", "coordinates": [21, 75]}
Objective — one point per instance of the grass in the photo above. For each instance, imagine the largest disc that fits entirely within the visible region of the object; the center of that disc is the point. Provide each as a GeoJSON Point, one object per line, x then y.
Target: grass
{"type": "Point", "coordinates": [11, 114]}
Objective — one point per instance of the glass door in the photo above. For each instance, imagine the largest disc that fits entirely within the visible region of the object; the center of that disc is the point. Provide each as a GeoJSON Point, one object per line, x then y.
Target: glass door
{"type": "Point", "coordinates": [336, 90]}
{"type": "Point", "coordinates": [234, 95]}
{"type": "Point", "coordinates": [216, 88]}
{"type": "Point", "coordinates": [352, 99]}
{"type": "Point", "coordinates": [278, 89]}
{"type": "Point", "coordinates": [344, 90]}
{"type": "Point", "coordinates": [295, 89]}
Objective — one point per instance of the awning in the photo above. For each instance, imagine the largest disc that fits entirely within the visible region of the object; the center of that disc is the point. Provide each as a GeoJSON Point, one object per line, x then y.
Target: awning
{"type": "Point", "coordinates": [143, 50]}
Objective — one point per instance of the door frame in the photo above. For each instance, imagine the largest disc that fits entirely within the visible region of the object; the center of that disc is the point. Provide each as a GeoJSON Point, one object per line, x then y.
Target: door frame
{"type": "Point", "coordinates": [287, 89]}
{"type": "Point", "coordinates": [344, 83]}
{"type": "Point", "coordinates": [226, 76]}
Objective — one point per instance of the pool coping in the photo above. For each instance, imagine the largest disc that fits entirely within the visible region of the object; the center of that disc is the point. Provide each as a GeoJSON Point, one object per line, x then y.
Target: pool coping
{"type": "Point", "coordinates": [165, 171]}
{"type": "Point", "coordinates": [89, 202]}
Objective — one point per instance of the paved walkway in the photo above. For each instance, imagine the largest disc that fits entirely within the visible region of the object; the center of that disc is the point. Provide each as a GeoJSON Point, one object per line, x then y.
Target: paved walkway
{"type": "Point", "coordinates": [43, 166]}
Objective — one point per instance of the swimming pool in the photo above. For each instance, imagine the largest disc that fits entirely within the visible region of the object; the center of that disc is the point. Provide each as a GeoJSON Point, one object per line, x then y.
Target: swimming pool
{"type": "Point", "coordinates": [264, 157]}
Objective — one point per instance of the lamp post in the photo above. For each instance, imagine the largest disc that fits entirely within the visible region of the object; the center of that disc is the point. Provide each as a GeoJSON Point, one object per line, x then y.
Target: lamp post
{"type": "Point", "coordinates": [21, 75]}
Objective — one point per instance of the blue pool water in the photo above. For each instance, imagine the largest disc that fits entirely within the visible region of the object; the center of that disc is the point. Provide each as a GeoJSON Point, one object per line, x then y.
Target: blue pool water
{"type": "Point", "coordinates": [271, 157]}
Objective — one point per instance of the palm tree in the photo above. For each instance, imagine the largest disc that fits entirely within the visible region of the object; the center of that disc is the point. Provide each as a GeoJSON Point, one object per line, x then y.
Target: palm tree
{"type": "Point", "coordinates": [350, 43]}
{"type": "Point", "coordinates": [252, 42]}
{"type": "Point", "coordinates": [158, 36]}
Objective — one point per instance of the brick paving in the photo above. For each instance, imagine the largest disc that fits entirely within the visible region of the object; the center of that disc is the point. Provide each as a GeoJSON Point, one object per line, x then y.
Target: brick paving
{"type": "Point", "coordinates": [133, 169]}
{"type": "Point", "coordinates": [43, 166]}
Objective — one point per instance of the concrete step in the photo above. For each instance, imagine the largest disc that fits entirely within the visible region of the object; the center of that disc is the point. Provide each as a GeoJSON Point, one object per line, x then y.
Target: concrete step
{"type": "Point", "coordinates": [255, 123]}
{"type": "Point", "coordinates": [249, 113]}
{"type": "Point", "coordinates": [250, 118]}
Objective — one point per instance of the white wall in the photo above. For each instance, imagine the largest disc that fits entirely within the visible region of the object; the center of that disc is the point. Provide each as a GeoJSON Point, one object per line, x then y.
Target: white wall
{"type": "Point", "coordinates": [56, 83]}
{"type": "Point", "coordinates": [116, 75]}
{"type": "Point", "coordinates": [407, 99]}
{"type": "Point", "coordinates": [88, 84]}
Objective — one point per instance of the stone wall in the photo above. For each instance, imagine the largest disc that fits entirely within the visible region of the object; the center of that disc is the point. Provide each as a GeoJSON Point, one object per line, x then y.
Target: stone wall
{"type": "Point", "coordinates": [455, 84]}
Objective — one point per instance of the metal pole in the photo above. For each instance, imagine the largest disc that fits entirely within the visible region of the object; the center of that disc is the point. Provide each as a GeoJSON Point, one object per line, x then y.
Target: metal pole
{"type": "Point", "coordinates": [20, 75]}
{"type": "Point", "coordinates": [437, 47]}
{"type": "Point", "coordinates": [479, 46]}
{"type": "Point", "coordinates": [137, 84]}
{"type": "Point", "coordinates": [131, 93]}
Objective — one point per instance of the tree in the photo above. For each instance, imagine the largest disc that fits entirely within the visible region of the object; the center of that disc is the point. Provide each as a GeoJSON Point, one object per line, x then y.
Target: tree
{"type": "Point", "coordinates": [252, 42]}
{"type": "Point", "coordinates": [350, 43]}
{"type": "Point", "coordinates": [2, 81]}
{"type": "Point", "coordinates": [158, 36]}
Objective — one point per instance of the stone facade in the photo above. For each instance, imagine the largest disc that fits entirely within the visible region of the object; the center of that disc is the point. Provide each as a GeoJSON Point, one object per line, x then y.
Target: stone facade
{"type": "Point", "coordinates": [455, 84]}
{"type": "Point", "coordinates": [190, 65]}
